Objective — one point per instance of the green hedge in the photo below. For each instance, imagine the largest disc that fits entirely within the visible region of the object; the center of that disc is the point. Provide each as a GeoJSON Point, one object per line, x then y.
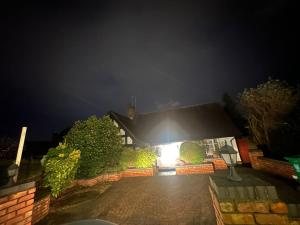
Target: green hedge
{"type": "Point", "coordinates": [60, 167]}
{"type": "Point", "coordinates": [100, 144]}
{"type": "Point", "coordinates": [192, 153]}
{"type": "Point", "coordinates": [139, 158]}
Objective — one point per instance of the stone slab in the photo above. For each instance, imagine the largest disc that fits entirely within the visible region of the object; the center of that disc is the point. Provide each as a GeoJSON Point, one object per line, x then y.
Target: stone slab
{"type": "Point", "coordinates": [250, 188]}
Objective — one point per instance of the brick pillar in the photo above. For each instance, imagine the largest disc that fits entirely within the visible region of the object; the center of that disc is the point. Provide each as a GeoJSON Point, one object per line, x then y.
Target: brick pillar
{"type": "Point", "coordinates": [251, 201]}
{"type": "Point", "coordinates": [16, 204]}
{"type": "Point", "coordinates": [253, 154]}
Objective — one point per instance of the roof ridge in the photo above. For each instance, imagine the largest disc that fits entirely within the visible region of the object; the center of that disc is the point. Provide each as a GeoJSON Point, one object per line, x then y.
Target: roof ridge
{"type": "Point", "coordinates": [179, 107]}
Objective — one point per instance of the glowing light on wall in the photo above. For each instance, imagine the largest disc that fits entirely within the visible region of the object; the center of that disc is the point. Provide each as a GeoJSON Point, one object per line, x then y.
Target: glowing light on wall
{"type": "Point", "coordinates": [169, 153]}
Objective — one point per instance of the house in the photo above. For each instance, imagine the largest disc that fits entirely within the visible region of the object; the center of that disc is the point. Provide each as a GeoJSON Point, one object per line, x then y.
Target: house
{"type": "Point", "coordinates": [167, 130]}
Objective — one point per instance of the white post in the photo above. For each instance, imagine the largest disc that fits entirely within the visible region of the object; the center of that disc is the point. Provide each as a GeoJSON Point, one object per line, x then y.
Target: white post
{"type": "Point", "coordinates": [20, 150]}
{"type": "Point", "coordinates": [21, 145]}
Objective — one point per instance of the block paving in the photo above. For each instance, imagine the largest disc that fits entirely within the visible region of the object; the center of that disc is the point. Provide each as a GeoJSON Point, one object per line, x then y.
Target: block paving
{"type": "Point", "coordinates": [159, 200]}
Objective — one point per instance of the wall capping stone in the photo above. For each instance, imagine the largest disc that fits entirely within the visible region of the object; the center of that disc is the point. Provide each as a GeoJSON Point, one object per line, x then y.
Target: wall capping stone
{"type": "Point", "coordinates": [251, 188]}
{"type": "Point", "coordinates": [15, 188]}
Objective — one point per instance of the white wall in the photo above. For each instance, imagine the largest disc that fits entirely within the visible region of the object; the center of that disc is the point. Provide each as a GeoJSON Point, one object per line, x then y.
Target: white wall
{"type": "Point", "coordinates": [122, 132]}
{"type": "Point", "coordinates": [116, 124]}
{"type": "Point", "coordinates": [129, 140]}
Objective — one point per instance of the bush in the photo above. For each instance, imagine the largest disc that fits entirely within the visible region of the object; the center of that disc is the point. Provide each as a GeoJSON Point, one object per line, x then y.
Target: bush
{"type": "Point", "coordinates": [145, 158]}
{"type": "Point", "coordinates": [191, 153]}
{"type": "Point", "coordinates": [60, 167]}
{"type": "Point", "coordinates": [140, 158]}
{"type": "Point", "coordinates": [128, 158]}
{"type": "Point", "coordinates": [99, 142]}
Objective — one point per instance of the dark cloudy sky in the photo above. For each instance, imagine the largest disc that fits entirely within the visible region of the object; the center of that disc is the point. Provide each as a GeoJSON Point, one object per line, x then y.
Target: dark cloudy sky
{"type": "Point", "coordinates": [61, 62]}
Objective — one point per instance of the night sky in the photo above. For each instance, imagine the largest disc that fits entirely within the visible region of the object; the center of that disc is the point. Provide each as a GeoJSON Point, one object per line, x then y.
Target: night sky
{"type": "Point", "coordinates": [61, 62]}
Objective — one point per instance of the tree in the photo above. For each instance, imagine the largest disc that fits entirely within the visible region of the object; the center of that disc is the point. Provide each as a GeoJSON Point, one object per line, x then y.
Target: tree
{"type": "Point", "coordinates": [99, 142]}
{"type": "Point", "coordinates": [265, 108]}
{"type": "Point", "coordinates": [232, 109]}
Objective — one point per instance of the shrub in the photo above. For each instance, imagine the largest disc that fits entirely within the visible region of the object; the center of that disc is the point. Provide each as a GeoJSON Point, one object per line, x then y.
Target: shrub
{"type": "Point", "coordinates": [60, 167]}
{"type": "Point", "coordinates": [140, 158]}
{"type": "Point", "coordinates": [99, 142]}
{"type": "Point", "coordinates": [145, 158]}
{"type": "Point", "coordinates": [128, 158]}
{"type": "Point", "coordinates": [191, 153]}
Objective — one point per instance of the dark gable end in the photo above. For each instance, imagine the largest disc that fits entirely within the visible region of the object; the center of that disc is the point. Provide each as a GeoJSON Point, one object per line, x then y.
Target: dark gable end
{"type": "Point", "coordinates": [180, 124]}
{"type": "Point", "coordinates": [127, 125]}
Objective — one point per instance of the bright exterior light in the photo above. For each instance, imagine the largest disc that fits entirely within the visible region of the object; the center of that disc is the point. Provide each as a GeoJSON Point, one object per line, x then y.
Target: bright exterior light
{"type": "Point", "coordinates": [230, 156]}
{"type": "Point", "coordinates": [169, 154]}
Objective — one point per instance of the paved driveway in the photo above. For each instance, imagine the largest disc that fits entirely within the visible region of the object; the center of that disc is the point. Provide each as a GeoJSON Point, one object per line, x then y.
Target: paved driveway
{"type": "Point", "coordinates": [172, 200]}
{"type": "Point", "coordinates": [158, 200]}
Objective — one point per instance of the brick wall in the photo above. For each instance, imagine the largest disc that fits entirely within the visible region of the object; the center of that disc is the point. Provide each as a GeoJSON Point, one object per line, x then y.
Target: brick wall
{"type": "Point", "coordinates": [273, 166]}
{"type": "Point", "coordinates": [243, 146]}
{"type": "Point", "coordinates": [205, 168]}
{"type": "Point", "coordinates": [253, 155]}
{"type": "Point", "coordinates": [16, 204]}
{"type": "Point", "coordinates": [40, 209]}
{"type": "Point", "coordinates": [276, 167]}
{"type": "Point", "coordinates": [219, 164]}
{"type": "Point", "coordinates": [115, 176]}
{"type": "Point", "coordinates": [138, 172]}
{"type": "Point", "coordinates": [216, 206]}
{"type": "Point", "coordinates": [99, 179]}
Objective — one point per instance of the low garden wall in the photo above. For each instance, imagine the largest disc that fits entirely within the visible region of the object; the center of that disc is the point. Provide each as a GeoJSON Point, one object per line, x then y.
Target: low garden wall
{"type": "Point", "coordinates": [219, 164]}
{"type": "Point", "coordinates": [205, 168]}
{"type": "Point", "coordinates": [115, 176]}
{"type": "Point", "coordinates": [99, 179]}
{"type": "Point", "coordinates": [276, 167]}
{"type": "Point", "coordinates": [40, 209]}
{"type": "Point", "coordinates": [16, 204]}
{"type": "Point", "coordinates": [147, 172]}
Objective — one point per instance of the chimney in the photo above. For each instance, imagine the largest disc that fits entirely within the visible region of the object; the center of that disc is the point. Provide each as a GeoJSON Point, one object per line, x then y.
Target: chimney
{"type": "Point", "coordinates": [131, 112]}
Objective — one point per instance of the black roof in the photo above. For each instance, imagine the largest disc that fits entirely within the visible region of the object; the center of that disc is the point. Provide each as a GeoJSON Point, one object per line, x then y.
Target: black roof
{"type": "Point", "coordinates": [180, 124]}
